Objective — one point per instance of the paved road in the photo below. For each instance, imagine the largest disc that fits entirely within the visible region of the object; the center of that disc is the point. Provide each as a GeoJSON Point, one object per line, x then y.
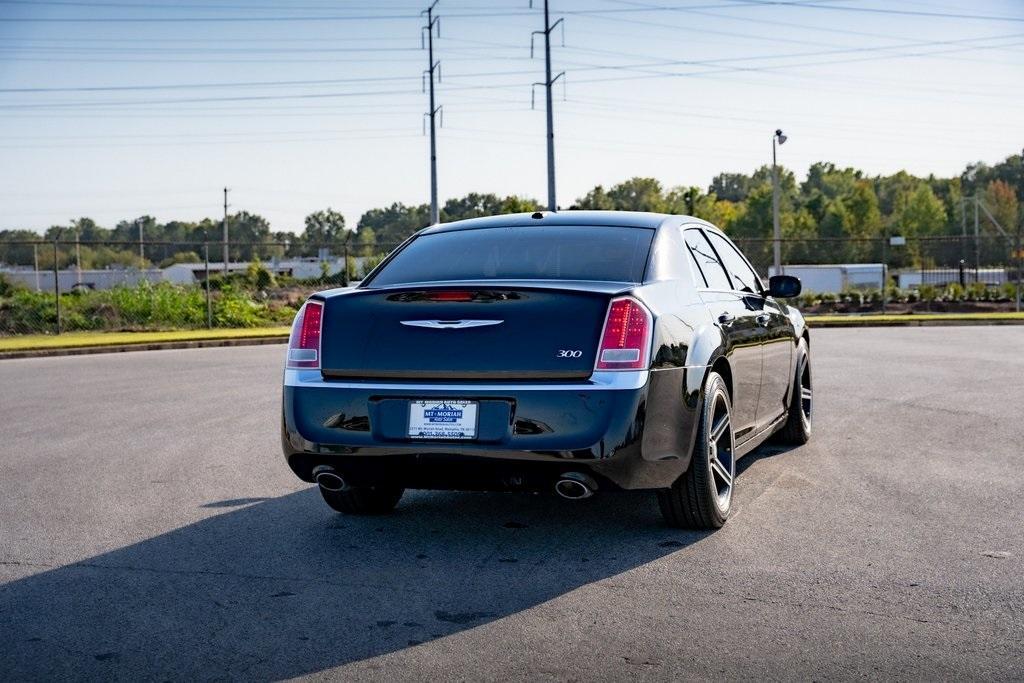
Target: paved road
{"type": "Point", "coordinates": [149, 528]}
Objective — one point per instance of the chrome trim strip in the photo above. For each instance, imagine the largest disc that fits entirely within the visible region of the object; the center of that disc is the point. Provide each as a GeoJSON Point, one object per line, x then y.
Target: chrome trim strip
{"type": "Point", "coordinates": [599, 381]}
{"type": "Point", "coordinates": [450, 324]}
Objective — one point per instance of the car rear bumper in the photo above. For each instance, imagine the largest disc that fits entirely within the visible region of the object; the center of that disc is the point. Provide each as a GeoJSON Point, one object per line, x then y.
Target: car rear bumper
{"type": "Point", "coordinates": [629, 430]}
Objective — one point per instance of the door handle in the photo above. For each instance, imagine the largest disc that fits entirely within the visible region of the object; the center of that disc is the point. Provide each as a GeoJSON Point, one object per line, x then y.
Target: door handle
{"type": "Point", "coordinates": [726, 319]}
{"type": "Point", "coordinates": [763, 319]}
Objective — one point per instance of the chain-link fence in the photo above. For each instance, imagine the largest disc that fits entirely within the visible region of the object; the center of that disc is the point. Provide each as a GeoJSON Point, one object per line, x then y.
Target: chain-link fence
{"type": "Point", "coordinates": [950, 273]}
{"type": "Point", "coordinates": [52, 287]}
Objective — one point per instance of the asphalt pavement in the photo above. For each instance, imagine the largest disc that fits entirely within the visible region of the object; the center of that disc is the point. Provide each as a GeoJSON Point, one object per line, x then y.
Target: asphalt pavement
{"type": "Point", "coordinates": [149, 529]}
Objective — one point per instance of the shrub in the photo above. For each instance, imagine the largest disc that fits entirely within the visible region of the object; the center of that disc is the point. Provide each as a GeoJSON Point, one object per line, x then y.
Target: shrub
{"type": "Point", "coordinates": [233, 309]}
{"type": "Point", "coordinates": [259, 276]}
{"type": "Point", "coordinates": [27, 312]}
{"type": "Point", "coordinates": [854, 297]}
{"type": "Point", "coordinates": [954, 292]}
{"type": "Point", "coordinates": [7, 288]}
{"type": "Point", "coordinates": [1008, 291]}
{"type": "Point", "coordinates": [928, 293]}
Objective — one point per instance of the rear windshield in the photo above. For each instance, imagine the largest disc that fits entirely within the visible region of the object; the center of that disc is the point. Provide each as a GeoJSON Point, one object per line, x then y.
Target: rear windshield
{"type": "Point", "coordinates": [522, 253]}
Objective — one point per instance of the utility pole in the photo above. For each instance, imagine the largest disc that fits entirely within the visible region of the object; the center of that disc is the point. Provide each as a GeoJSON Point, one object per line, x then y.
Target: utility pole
{"type": "Point", "coordinates": [142, 254]}
{"type": "Point", "coordinates": [226, 259]}
{"type": "Point", "coordinates": [432, 22]}
{"type": "Point", "coordinates": [548, 83]}
{"type": "Point", "coordinates": [977, 240]}
{"type": "Point", "coordinates": [780, 137]}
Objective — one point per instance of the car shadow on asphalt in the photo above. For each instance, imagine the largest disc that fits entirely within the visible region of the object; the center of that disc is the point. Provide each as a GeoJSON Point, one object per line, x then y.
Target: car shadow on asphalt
{"type": "Point", "coordinates": [283, 586]}
{"type": "Point", "coordinates": [762, 452]}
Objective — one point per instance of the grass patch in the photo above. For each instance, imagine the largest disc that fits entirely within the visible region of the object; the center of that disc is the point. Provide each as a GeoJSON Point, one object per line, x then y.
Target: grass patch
{"type": "Point", "coordinates": [912, 318]}
{"type": "Point", "coordinates": [84, 339]}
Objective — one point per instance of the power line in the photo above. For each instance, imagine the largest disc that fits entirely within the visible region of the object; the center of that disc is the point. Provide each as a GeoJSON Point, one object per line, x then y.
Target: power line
{"type": "Point", "coordinates": [878, 10]}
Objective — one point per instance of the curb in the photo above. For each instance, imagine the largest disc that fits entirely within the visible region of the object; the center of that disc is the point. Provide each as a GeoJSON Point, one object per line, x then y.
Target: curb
{"type": "Point", "coordinates": [143, 346]}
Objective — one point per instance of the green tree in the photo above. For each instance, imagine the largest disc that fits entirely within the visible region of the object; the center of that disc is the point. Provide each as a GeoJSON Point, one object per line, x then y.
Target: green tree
{"type": "Point", "coordinates": [596, 200]}
{"type": "Point", "coordinates": [1002, 202]}
{"type": "Point", "coordinates": [638, 194]}
{"type": "Point", "coordinates": [921, 214]}
{"type": "Point", "coordinates": [731, 187]}
{"type": "Point", "coordinates": [865, 218]}
{"type": "Point", "coordinates": [390, 225]}
{"type": "Point", "coordinates": [325, 228]}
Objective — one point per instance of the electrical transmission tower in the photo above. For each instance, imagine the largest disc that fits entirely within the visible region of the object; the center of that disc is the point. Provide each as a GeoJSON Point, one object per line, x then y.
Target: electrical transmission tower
{"type": "Point", "coordinates": [433, 26]}
{"type": "Point", "coordinates": [548, 82]}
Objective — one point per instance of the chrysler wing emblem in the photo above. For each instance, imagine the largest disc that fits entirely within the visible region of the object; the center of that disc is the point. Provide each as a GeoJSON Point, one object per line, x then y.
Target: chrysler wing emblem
{"type": "Point", "coordinates": [450, 324]}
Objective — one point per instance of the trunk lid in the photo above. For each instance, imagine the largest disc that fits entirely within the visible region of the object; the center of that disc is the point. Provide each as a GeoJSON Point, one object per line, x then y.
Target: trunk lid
{"type": "Point", "coordinates": [481, 330]}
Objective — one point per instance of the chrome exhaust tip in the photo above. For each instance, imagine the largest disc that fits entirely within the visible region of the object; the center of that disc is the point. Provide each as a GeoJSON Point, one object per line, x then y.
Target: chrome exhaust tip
{"type": "Point", "coordinates": [573, 486]}
{"type": "Point", "coordinates": [329, 480]}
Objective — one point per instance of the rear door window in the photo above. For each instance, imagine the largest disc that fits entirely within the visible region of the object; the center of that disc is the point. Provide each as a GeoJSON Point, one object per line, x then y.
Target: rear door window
{"type": "Point", "coordinates": [707, 261]}
{"type": "Point", "coordinates": [743, 277]}
{"type": "Point", "coordinates": [604, 253]}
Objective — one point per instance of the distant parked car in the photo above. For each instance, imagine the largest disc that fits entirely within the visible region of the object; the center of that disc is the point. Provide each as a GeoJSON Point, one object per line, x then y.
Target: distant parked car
{"type": "Point", "coordinates": [578, 352]}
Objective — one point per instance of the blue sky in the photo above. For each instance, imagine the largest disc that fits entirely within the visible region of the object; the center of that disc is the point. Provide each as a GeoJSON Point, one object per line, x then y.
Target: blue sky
{"type": "Point", "coordinates": [116, 108]}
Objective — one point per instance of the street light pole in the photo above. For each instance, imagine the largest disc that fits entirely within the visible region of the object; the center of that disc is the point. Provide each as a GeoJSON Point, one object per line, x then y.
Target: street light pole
{"type": "Point", "coordinates": [779, 137]}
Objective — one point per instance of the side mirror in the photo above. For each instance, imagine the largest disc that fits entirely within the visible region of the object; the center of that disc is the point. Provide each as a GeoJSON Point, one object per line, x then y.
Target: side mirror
{"type": "Point", "coordinates": [784, 286]}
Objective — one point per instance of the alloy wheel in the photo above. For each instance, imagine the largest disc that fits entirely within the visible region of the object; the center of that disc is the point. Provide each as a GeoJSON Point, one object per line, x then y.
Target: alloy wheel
{"type": "Point", "coordinates": [805, 392]}
{"type": "Point", "coordinates": [721, 451]}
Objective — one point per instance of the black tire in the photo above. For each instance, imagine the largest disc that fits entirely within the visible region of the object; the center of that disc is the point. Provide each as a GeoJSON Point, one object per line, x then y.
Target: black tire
{"type": "Point", "coordinates": [797, 430]}
{"type": "Point", "coordinates": [697, 500]}
{"type": "Point", "coordinates": [377, 500]}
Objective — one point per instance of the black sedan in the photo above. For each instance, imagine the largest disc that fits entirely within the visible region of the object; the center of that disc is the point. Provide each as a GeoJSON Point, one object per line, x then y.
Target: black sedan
{"type": "Point", "coordinates": [578, 352]}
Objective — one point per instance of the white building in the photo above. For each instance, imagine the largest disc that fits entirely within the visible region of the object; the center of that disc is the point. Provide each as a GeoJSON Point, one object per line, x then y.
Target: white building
{"type": "Point", "coordinates": [178, 273]}
{"type": "Point", "coordinates": [42, 280]}
{"type": "Point", "coordinates": [836, 278]}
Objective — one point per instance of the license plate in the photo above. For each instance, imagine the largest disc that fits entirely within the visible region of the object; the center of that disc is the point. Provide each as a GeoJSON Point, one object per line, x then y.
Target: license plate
{"type": "Point", "coordinates": [442, 419]}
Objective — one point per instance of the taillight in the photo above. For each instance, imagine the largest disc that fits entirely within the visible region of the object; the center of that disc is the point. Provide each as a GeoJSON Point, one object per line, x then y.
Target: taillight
{"type": "Point", "coordinates": [626, 339]}
{"type": "Point", "coordinates": [304, 342]}
{"type": "Point", "coordinates": [450, 295]}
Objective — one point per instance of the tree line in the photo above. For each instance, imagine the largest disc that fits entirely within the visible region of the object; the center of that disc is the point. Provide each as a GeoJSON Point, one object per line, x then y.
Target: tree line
{"type": "Point", "coordinates": [841, 204]}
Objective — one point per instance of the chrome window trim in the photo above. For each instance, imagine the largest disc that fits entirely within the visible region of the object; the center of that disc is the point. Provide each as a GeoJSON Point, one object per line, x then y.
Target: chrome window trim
{"type": "Point", "coordinates": [605, 380]}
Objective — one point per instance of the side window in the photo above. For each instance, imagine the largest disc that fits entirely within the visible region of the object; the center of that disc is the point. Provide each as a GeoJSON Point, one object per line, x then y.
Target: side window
{"type": "Point", "coordinates": [707, 262]}
{"type": "Point", "coordinates": [743, 277]}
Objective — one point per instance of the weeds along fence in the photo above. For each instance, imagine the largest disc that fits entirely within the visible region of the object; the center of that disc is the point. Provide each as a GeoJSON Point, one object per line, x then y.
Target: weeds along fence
{"type": "Point", "coordinates": [51, 287]}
